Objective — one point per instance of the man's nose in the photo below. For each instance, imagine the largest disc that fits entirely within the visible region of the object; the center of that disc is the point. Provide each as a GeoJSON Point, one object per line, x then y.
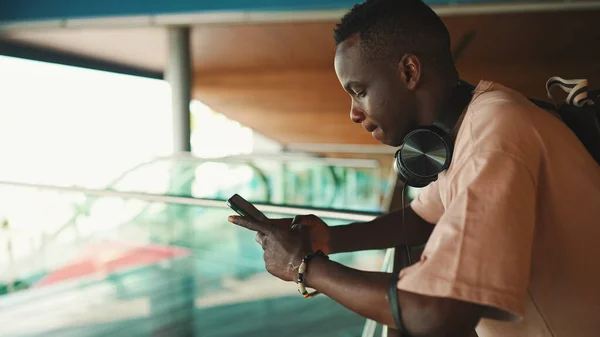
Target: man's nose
{"type": "Point", "coordinates": [356, 114]}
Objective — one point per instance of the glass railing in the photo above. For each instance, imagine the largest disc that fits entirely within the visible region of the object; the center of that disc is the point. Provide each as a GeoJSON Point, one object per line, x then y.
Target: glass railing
{"type": "Point", "coordinates": [141, 264]}
{"type": "Point", "coordinates": [302, 180]}
{"type": "Point", "coordinates": [287, 179]}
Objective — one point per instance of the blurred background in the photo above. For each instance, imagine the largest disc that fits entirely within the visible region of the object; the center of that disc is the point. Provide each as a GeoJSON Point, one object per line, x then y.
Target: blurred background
{"type": "Point", "coordinates": [125, 125]}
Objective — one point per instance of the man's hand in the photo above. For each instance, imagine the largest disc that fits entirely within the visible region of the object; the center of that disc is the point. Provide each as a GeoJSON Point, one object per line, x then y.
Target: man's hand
{"type": "Point", "coordinates": [284, 248]}
{"type": "Point", "coordinates": [320, 233]}
{"type": "Point", "coordinates": [383, 232]}
{"type": "Point", "coordinates": [360, 291]}
{"type": "Point", "coordinates": [285, 223]}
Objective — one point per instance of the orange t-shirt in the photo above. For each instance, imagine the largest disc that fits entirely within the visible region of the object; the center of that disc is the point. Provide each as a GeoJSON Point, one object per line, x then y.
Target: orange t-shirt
{"type": "Point", "coordinates": [517, 218]}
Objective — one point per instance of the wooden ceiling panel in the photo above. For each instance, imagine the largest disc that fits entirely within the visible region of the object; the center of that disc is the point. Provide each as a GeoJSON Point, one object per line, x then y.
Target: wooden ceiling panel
{"type": "Point", "coordinates": [530, 78]}
{"type": "Point", "coordinates": [272, 46]}
{"type": "Point", "coordinates": [291, 92]}
{"type": "Point", "coordinates": [528, 37]}
{"type": "Point", "coordinates": [499, 38]}
{"type": "Point", "coordinates": [309, 106]}
{"type": "Point", "coordinates": [291, 106]}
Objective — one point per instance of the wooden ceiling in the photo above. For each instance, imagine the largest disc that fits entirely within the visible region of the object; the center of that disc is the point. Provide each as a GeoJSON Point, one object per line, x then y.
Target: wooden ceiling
{"type": "Point", "coordinates": [278, 78]}
{"type": "Point", "coordinates": [499, 38]}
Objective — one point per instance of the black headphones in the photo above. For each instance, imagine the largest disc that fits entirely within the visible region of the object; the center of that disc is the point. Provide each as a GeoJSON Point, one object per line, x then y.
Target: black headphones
{"type": "Point", "coordinates": [427, 151]}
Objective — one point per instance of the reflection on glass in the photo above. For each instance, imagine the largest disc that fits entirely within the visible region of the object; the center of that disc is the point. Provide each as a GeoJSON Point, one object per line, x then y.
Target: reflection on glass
{"type": "Point", "coordinates": [303, 181]}
{"type": "Point", "coordinates": [136, 268]}
{"type": "Point", "coordinates": [300, 180]}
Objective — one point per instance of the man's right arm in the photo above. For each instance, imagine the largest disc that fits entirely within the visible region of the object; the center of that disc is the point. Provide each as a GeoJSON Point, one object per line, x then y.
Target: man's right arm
{"type": "Point", "coordinates": [382, 232]}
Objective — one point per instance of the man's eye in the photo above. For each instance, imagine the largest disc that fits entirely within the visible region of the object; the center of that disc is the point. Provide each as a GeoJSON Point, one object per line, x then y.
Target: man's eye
{"type": "Point", "coordinates": [361, 93]}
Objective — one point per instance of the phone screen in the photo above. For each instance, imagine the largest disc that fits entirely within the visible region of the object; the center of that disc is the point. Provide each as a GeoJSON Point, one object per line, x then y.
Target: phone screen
{"type": "Point", "coordinates": [244, 208]}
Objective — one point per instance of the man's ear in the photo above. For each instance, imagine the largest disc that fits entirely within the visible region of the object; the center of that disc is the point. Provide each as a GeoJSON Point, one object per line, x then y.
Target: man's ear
{"type": "Point", "coordinates": [409, 69]}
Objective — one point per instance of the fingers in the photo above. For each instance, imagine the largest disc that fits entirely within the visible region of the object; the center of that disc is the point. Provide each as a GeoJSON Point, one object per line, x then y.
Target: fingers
{"type": "Point", "coordinates": [283, 223]}
{"type": "Point", "coordinates": [250, 224]}
{"type": "Point", "coordinates": [305, 220]}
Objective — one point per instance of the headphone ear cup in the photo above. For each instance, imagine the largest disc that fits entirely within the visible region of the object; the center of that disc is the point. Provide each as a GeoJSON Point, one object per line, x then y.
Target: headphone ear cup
{"type": "Point", "coordinates": [423, 155]}
{"type": "Point", "coordinates": [402, 174]}
{"type": "Point", "coordinates": [407, 177]}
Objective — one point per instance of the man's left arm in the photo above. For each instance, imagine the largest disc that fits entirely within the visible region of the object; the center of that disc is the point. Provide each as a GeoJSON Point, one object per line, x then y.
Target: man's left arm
{"type": "Point", "coordinates": [366, 293]}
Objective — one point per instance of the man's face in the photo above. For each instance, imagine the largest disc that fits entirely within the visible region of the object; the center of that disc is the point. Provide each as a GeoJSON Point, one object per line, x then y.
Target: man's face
{"type": "Point", "coordinates": [381, 102]}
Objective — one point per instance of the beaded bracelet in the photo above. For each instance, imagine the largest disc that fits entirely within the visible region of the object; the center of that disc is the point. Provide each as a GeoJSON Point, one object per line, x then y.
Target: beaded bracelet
{"type": "Point", "coordinates": [302, 270]}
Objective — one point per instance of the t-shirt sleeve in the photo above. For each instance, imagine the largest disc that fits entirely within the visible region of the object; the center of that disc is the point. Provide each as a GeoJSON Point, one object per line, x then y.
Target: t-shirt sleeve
{"type": "Point", "coordinates": [480, 249]}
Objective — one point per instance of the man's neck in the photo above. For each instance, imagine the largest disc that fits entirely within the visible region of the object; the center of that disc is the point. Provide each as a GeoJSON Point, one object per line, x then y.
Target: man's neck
{"type": "Point", "coordinates": [433, 102]}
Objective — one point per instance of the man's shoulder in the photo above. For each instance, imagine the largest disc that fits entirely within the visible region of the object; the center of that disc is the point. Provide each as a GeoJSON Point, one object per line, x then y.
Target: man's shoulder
{"type": "Point", "coordinates": [499, 114]}
{"type": "Point", "coordinates": [497, 101]}
{"type": "Point", "coordinates": [501, 120]}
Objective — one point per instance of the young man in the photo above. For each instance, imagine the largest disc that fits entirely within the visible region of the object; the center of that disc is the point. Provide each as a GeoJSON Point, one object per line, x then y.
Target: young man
{"type": "Point", "coordinates": [511, 227]}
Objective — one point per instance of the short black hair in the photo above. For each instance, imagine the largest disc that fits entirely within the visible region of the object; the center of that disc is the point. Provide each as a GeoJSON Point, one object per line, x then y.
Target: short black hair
{"type": "Point", "coordinates": [388, 29]}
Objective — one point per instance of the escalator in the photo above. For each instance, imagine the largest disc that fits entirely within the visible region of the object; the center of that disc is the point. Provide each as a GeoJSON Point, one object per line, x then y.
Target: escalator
{"type": "Point", "coordinates": [140, 263]}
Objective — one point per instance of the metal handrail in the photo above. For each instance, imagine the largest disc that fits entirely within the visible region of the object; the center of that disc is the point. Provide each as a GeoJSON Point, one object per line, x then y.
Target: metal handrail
{"type": "Point", "coordinates": [282, 157]}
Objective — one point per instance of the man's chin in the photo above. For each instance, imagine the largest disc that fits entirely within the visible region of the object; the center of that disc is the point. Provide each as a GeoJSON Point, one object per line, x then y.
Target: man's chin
{"type": "Point", "coordinates": [392, 143]}
{"type": "Point", "coordinates": [385, 139]}
{"type": "Point", "coordinates": [389, 141]}
{"type": "Point", "coordinates": [379, 136]}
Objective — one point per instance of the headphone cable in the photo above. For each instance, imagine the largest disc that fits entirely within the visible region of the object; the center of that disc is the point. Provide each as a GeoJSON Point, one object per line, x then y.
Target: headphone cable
{"type": "Point", "coordinates": [404, 228]}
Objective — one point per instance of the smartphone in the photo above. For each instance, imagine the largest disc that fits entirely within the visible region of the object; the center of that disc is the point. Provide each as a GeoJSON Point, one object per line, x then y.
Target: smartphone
{"type": "Point", "coordinates": [244, 208]}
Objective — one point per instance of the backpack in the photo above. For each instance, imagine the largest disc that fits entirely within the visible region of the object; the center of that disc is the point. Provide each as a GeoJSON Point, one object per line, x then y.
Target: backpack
{"type": "Point", "coordinates": [580, 111]}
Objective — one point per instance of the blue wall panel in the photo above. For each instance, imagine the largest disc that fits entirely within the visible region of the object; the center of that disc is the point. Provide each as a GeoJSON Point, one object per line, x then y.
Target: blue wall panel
{"type": "Point", "coordinates": [33, 10]}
